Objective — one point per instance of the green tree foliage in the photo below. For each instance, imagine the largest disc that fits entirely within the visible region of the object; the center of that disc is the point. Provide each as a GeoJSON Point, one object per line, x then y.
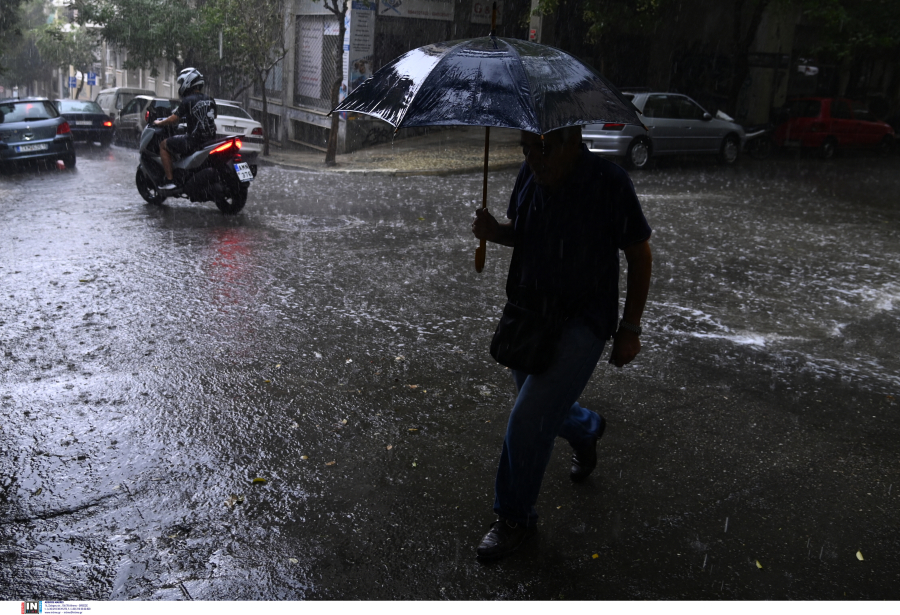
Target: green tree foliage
{"type": "Point", "coordinates": [857, 28]}
{"type": "Point", "coordinates": [253, 35]}
{"type": "Point", "coordinates": [62, 45]}
{"type": "Point", "coordinates": [150, 30]}
{"type": "Point", "coordinates": [22, 59]}
{"type": "Point", "coordinates": [10, 29]}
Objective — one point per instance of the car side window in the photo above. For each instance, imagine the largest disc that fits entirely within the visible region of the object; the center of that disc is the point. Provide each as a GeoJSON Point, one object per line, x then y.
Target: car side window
{"type": "Point", "coordinates": [686, 109]}
{"type": "Point", "coordinates": [131, 107]}
{"type": "Point", "coordinates": [840, 110]}
{"type": "Point", "coordinates": [659, 106]}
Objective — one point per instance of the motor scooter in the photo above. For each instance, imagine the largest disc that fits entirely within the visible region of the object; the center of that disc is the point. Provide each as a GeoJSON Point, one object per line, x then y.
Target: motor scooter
{"type": "Point", "coordinates": [215, 172]}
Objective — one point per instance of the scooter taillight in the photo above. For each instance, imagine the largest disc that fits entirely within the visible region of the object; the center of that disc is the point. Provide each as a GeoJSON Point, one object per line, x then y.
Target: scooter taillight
{"type": "Point", "coordinates": [235, 143]}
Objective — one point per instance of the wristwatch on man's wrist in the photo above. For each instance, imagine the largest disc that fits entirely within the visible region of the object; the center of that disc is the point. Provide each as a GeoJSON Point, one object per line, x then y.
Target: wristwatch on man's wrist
{"type": "Point", "coordinates": [636, 329]}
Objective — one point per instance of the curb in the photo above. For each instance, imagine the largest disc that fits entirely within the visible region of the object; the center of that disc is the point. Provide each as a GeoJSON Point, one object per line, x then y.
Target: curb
{"type": "Point", "coordinates": [390, 172]}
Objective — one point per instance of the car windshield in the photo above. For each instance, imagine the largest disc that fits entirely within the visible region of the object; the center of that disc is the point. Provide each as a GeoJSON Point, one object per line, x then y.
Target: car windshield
{"type": "Point", "coordinates": [27, 111]}
{"type": "Point", "coordinates": [806, 108]}
{"type": "Point", "coordinates": [232, 111]}
{"type": "Point", "coordinates": [79, 106]}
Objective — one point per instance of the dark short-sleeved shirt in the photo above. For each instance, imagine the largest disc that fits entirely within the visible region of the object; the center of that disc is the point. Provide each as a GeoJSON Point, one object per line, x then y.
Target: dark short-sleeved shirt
{"type": "Point", "coordinates": [200, 112]}
{"type": "Point", "coordinates": [568, 238]}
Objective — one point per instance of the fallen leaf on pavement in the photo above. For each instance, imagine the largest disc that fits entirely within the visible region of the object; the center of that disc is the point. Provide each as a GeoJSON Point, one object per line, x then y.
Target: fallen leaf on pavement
{"type": "Point", "coordinates": [331, 463]}
{"type": "Point", "coordinates": [859, 556]}
{"type": "Point", "coordinates": [390, 446]}
{"type": "Point", "coordinates": [260, 480]}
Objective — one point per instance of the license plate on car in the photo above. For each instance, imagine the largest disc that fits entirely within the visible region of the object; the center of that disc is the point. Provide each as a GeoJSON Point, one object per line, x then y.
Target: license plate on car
{"type": "Point", "coordinates": [243, 171]}
{"type": "Point", "coordinates": [34, 147]}
{"type": "Point", "coordinates": [84, 123]}
{"type": "Point", "coordinates": [236, 129]}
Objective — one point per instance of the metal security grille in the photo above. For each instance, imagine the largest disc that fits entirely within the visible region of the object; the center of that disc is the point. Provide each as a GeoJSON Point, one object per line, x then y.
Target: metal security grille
{"type": "Point", "coordinates": [316, 62]}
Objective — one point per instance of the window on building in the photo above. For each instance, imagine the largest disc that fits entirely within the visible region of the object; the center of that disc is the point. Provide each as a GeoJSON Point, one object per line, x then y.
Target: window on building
{"type": "Point", "coordinates": [316, 63]}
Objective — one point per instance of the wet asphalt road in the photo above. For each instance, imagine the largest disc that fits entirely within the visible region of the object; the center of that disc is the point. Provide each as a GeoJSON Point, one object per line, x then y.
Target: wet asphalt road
{"type": "Point", "coordinates": [332, 340]}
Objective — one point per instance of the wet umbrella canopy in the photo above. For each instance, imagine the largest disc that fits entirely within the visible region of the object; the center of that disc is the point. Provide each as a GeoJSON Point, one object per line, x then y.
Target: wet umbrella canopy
{"type": "Point", "coordinates": [489, 81]}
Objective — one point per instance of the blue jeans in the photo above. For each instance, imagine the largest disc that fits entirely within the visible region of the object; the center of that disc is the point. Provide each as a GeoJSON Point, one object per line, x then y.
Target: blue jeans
{"type": "Point", "coordinates": [546, 407]}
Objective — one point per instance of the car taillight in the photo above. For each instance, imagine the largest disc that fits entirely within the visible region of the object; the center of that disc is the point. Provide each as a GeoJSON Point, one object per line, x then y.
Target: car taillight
{"type": "Point", "coordinates": [107, 123]}
{"type": "Point", "coordinates": [613, 126]}
{"type": "Point", "coordinates": [147, 116]}
{"type": "Point", "coordinates": [257, 131]}
{"type": "Point", "coordinates": [63, 129]}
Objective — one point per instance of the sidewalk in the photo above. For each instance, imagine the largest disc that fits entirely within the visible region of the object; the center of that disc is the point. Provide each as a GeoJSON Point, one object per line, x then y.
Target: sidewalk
{"type": "Point", "coordinates": [443, 152]}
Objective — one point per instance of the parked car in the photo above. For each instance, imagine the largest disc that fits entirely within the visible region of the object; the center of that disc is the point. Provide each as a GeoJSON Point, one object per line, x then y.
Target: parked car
{"type": "Point", "coordinates": [827, 124]}
{"type": "Point", "coordinates": [113, 100]}
{"type": "Point", "coordinates": [33, 129]}
{"type": "Point", "coordinates": [138, 112]}
{"type": "Point", "coordinates": [86, 120]}
{"type": "Point", "coordinates": [676, 124]}
{"type": "Point", "coordinates": [233, 120]}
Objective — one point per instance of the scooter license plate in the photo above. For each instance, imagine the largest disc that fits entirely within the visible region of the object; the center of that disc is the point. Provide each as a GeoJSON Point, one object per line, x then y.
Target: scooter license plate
{"type": "Point", "coordinates": [243, 171]}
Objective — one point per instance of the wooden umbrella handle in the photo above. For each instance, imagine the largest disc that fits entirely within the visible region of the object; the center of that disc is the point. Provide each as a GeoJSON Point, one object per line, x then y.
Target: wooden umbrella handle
{"type": "Point", "coordinates": [481, 251]}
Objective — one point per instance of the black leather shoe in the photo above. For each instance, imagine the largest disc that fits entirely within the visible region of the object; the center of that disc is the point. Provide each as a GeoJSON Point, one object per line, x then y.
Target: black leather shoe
{"type": "Point", "coordinates": [504, 538]}
{"type": "Point", "coordinates": [585, 459]}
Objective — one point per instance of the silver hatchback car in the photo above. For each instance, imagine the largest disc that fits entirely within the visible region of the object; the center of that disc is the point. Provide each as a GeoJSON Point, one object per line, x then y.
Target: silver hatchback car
{"type": "Point", "coordinates": [676, 124]}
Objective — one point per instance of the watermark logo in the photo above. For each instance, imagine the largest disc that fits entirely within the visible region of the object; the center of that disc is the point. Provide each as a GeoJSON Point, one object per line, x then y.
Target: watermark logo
{"type": "Point", "coordinates": [31, 606]}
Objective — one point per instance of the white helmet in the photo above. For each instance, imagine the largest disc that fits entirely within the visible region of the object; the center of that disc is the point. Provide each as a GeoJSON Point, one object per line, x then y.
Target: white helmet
{"type": "Point", "coordinates": [188, 79]}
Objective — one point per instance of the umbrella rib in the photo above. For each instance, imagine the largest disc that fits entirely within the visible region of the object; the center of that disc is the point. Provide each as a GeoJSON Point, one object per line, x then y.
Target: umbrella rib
{"type": "Point", "coordinates": [537, 120]}
{"type": "Point", "coordinates": [419, 86]}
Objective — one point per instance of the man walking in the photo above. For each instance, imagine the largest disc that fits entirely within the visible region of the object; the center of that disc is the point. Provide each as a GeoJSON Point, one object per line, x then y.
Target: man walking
{"type": "Point", "coordinates": [569, 215]}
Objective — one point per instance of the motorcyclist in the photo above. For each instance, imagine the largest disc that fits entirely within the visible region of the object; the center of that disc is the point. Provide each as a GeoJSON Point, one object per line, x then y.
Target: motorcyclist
{"type": "Point", "coordinates": [200, 112]}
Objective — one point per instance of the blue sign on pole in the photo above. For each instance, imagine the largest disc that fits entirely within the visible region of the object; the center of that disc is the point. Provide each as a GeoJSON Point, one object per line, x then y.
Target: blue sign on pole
{"type": "Point", "coordinates": [73, 82]}
{"type": "Point", "coordinates": [92, 78]}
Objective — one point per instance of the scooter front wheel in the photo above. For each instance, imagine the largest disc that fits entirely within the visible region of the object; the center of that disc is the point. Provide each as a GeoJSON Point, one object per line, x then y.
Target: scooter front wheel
{"type": "Point", "coordinates": [147, 190]}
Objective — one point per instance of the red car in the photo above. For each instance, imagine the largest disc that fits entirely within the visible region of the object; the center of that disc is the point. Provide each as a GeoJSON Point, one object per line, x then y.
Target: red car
{"type": "Point", "coordinates": [829, 123]}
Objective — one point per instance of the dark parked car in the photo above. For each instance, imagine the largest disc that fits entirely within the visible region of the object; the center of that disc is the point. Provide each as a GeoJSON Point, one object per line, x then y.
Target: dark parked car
{"type": "Point", "coordinates": [829, 123]}
{"type": "Point", "coordinates": [33, 129]}
{"type": "Point", "coordinates": [87, 121]}
{"type": "Point", "coordinates": [138, 113]}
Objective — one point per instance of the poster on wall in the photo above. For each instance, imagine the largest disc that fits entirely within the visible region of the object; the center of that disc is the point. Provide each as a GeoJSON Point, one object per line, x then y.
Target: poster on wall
{"type": "Point", "coordinates": [422, 9]}
{"type": "Point", "coordinates": [360, 43]}
{"type": "Point", "coordinates": [309, 61]}
{"type": "Point", "coordinates": [481, 11]}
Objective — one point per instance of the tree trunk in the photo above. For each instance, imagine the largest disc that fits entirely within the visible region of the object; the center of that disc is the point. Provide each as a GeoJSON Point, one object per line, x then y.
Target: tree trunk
{"type": "Point", "coordinates": [265, 112]}
{"type": "Point", "coordinates": [80, 86]}
{"type": "Point", "coordinates": [743, 40]}
{"type": "Point", "coordinates": [331, 149]}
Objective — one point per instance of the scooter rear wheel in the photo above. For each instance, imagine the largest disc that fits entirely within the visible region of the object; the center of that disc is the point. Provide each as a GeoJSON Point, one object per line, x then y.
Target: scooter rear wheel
{"type": "Point", "coordinates": [147, 190]}
{"type": "Point", "coordinates": [234, 198]}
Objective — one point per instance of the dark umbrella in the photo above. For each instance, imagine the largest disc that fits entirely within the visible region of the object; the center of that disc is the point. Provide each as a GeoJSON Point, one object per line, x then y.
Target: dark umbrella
{"type": "Point", "coordinates": [489, 81]}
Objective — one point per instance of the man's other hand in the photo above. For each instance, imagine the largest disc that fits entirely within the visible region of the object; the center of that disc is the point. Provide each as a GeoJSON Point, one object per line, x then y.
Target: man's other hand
{"type": "Point", "coordinates": [626, 346]}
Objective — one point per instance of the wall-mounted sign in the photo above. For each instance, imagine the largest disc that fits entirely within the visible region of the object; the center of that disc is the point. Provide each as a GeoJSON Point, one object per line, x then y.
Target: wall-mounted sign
{"type": "Point", "coordinates": [422, 9]}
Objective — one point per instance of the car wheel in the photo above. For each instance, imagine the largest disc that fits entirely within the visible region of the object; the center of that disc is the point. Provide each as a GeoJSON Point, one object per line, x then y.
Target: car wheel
{"type": "Point", "coordinates": [147, 190]}
{"type": "Point", "coordinates": [730, 150]}
{"type": "Point", "coordinates": [826, 152]}
{"type": "Point", "coordinates": [69, 161]}
{"type": "Point", "coordinates": [639, 154]}
{"type": "Point", "coordinates": [105, 142]}
{"type": "Point", "coordinates": [886, 146]}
